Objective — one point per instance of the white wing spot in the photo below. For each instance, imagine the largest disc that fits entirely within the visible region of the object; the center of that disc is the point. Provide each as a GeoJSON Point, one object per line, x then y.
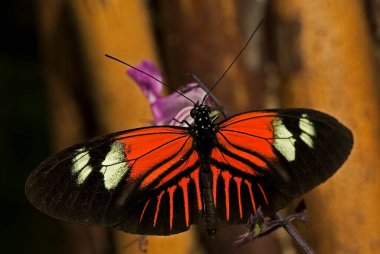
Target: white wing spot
{"type": "Point", "coordinates": [114, 166]}
{"type": "Point", "coordinates": [306, 125]}
{"type": "Point", "coordinates": [80, 165]}
{"type": "Point", "coordinates": [284, 141]}
{"type": "Point", "coordinates": [308, 130]}
{"type": "Point", "coordinates": [84, 173]}
{"type": "Point", "coordinates": [307, 139]}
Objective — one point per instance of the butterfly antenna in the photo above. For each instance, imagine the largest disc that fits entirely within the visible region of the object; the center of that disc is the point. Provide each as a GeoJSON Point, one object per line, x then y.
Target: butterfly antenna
{"type": "Point", "coordinates": [233, 62]}
{"type": "Point", "coordinates": [208, 94]}
{"type": "Point", "coordinates": [149, 75]}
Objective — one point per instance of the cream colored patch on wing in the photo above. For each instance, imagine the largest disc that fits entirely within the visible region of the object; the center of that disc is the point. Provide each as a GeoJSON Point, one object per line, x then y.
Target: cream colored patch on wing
{"type": "Point", "coordinates": [308, 130]}
{"type": "Point", "coordinates": [80, 166]}
{"type": "Point", "coordinates": [284, 142]}
{"type": "Point", "coordinates": [114, 166]}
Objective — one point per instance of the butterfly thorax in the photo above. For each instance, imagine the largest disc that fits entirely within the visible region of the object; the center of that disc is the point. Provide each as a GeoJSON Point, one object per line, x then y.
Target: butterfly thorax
{"type": "Point", "coordinates": [203, 129]}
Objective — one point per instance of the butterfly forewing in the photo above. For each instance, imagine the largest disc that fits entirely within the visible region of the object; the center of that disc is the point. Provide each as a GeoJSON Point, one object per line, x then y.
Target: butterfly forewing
{"type": "Point", "coordinates": [141, 181]}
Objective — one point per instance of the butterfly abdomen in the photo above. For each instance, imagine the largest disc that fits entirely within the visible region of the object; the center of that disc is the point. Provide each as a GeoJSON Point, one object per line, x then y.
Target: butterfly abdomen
{"type": "Point", "coordinates": [209, 210]}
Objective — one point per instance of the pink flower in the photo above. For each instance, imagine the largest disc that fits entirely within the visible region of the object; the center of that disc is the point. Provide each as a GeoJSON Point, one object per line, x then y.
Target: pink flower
{"type": "Point", "coordinates": [173, 106]}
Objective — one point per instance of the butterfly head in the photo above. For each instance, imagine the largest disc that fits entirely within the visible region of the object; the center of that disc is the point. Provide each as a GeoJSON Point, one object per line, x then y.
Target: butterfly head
{"type": "Point", "coordinates": [203, 123]}
{"type": "Point", "coordinates": [200, 112]}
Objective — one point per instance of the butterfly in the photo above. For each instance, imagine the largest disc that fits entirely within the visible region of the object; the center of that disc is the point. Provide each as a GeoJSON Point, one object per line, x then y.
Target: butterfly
{"type": "Point", "coordinates": [160, 180]}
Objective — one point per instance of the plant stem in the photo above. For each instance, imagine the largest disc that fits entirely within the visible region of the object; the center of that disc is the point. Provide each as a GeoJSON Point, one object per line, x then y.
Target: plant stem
{"type": "Point", "coordinates": [296, 236]}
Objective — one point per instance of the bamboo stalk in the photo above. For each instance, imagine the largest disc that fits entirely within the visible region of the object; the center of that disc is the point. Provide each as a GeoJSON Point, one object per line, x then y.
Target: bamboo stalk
{"type": "Point", "coordinates": [326, 62]}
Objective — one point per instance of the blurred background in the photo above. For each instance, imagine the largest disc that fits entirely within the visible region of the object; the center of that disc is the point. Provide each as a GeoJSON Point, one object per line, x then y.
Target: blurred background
{"type": "Point", "coordinates": [57, 88]}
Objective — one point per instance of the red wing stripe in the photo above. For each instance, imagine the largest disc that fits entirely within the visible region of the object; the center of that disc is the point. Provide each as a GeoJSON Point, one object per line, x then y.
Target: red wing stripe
{"type": "Point", "coordinates": [143, 211]}
{"type": "Point", "coordinates": [175, 155]}
{"type": "Point", "coordinates": [260, 149]}
{"type": "Point", "coordinates": [171, 194]}
{"type": "Point", "coordinates": [148, 131]}
{"type": "Point", "coordinates": [215, 176]}
{"type": "Point", "coordinates": [183, 184]}
{"type": "Point", "coordinates": [180, 168]}
{"type": "Point", "coordinates": [157, 207]}
{"type": "Point", "coordinates": [255, 116]}
{"type": "Point", "coordinates": [249, 134]}
{"type": "Point", "coordinates": [195, 176]}
{"type": "Point", "coordinates": [227, 177]}
{"type": "Point", "coordinates": [152, 150]}
{"type": "Point", "coordinates": [148, 147]}
{"type": "Point", "coordinates": [238, 186]}
{"type": "Point", "coordinates": [239, 163]}
{"type": "Point", "coordinates": [249, 185]}
{"type": "Point", "coordinates": [263, 192]}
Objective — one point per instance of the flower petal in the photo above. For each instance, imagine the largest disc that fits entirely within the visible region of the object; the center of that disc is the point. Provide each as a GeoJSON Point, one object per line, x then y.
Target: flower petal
{"type": "Point", "coordinates": [151, 88]}
{"type": "Point", "coordinates": [173, 106]}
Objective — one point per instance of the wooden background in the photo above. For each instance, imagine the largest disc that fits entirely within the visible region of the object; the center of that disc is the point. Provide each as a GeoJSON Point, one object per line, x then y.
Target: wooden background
{"type": "Point", "coordinates": [317, 54]}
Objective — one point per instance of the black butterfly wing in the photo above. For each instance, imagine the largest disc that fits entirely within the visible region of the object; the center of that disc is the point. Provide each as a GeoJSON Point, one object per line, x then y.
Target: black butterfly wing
{"type": "Point", "coordinates": [267, 158]}
{"type": "Point", "coordinates": [141, 181]}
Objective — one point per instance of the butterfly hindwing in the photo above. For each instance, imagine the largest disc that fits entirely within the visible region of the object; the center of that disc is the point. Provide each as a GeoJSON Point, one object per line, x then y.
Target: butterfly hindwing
{"type": "Point", "coordinates": [267, 158]}
{"type": "Point", "coordinates": [141, 181]}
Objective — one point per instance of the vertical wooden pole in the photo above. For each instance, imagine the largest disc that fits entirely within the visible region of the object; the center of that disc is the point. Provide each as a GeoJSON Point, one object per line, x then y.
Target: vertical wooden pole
{"type": "Point", "coordinates": [326, 63]}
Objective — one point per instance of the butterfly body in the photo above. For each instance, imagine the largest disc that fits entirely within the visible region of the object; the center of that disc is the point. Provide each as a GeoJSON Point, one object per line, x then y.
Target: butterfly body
{"type": "Point", "coordinates": [160, 180]}
{"type": "Point", "coordinates": [204, 133]}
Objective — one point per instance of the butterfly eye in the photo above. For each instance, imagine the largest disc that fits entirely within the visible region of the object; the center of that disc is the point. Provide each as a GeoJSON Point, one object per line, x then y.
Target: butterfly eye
{"type": "Point", "coordinates": [193, 112]}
